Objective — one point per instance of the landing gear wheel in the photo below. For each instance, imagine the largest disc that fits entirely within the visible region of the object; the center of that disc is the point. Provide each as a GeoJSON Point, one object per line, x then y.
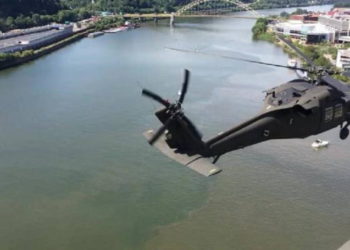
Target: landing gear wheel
{"type": "Point", "coordinates": [344, 133]}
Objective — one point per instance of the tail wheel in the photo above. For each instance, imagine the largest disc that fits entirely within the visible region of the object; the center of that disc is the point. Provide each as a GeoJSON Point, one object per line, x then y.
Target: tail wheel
{"type": "Point", "coordinates": [344, 133]}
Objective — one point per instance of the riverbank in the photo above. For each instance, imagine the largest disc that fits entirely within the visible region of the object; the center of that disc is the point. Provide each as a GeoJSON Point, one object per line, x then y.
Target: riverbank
{"type": "Point", "coordinates": [71, 125]}
{"type": "Point", "coordinates": [18, 58]}
{"type": "Point", "coordinates": [8, 60]}
{"type": "Point", "coordinates": [323, 54]}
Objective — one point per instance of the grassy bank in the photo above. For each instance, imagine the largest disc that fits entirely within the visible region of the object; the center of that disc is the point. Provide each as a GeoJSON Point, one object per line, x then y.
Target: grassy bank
{"type": "Point", "coordinates": [8, 57]}
{"type": "Point", "coordinates": [260, 31]}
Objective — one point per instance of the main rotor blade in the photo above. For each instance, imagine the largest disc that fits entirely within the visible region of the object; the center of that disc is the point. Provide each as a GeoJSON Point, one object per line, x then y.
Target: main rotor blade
{"type": "Point", "coordinates": [238, 59]}
{"type": "Point", "coordinates": [161, 130]}
{"type": "Point", "coordinates": [184, 86]}
{"type": "Point", "coordinates": [297, 50]}
{"type": "Point", "coordinates": [155, 97]}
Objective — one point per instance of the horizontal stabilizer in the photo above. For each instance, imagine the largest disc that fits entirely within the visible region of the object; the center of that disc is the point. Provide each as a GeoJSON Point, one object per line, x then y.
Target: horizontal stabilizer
{"type": "Point", "coordinates": [195, 162]}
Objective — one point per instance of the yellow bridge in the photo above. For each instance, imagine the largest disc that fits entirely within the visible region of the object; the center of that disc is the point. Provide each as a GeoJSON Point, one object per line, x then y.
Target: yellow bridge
{"type": "Point", "coordinates": [191, 10]}
{"type": "Point", "coordinates": [166, 15]}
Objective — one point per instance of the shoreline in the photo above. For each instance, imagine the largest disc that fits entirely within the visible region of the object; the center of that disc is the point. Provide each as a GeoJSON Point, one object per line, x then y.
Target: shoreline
{"type": "Point", "coordinates": [32, 55]}
{"type": "Point", "coordinates": [22, 57]}
{"type": "Point", "coordinates": [44, 50]}
{"type": "Point", "coordinates": [323, 54]}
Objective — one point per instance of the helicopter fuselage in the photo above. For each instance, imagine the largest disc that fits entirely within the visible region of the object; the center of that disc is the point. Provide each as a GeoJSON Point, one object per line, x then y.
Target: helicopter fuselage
{"type": "Point", "coordinates": [296, 109]}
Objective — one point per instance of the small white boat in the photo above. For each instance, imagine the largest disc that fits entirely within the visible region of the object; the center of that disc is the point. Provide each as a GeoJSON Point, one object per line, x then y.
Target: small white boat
{"type": "Point", "coordinates": [95, 34]}
{"type": "Point", "coordinates": [115, 30]}
{"type": "Point", "coordinates": [319, 144]}
{"type": "Point", "coordinates": [292, 63]}
{"type": "Point", "coordinates": [302, 74]}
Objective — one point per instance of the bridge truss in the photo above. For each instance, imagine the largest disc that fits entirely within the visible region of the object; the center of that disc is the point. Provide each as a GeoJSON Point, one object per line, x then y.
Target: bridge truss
{"type": "Point", "coordinates": [238, 3]}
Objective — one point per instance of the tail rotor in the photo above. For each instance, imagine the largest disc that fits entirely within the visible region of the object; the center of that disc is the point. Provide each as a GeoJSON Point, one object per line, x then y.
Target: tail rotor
{"type": "Point", "coordinates": [173, 110]}
{"type": "Point", "coordinates": [184, 86]}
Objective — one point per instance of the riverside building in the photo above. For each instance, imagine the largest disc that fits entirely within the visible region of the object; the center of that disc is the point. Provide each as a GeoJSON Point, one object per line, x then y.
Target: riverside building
{"type": "Point", "coordinates": [309, 32]}
{"type": "Point", "coordinates": [343, 59]}
{"type": "Point", "coordinates": [333, 26]}
{"type": "Point", "coordinates": [34, 38]}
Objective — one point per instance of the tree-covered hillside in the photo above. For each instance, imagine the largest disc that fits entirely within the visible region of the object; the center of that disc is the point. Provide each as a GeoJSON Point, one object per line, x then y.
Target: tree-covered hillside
{"type": "Point", "coordinates": [28, 13]}
{"type": "Point", "coordinates": [27, 7]}
{"type": "Point", "coordinates": [270, 4]}
{"type": "Point", "coordinates": [15, 8]}
{"type": "Point", "coordinates": [342, 3]}
{"type": "Point", "coordinates": [171, 5]}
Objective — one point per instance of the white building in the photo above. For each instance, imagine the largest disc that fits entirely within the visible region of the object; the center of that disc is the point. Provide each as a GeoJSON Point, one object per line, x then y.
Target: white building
{"type": "Point", "coordinates": [309, 32]}
{"type": "Point", "coordinates": [339, 20]}
{"type": "Point", "coordinates": [33, 38]}
{"type": "Point", "coordinates": [339, 23]}
{"type": "Point", "coordinates": [343, 59]}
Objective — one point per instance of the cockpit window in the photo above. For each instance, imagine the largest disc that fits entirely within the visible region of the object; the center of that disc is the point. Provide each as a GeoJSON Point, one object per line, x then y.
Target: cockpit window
{"type": "Point", "coordinates": [338, 111]}
{"type": "Point", "coordinates": [302, 111]}
{"type": "Point", "coordinates": [296, 94]}
{"type": "Point", "coordinates": [328, 114]}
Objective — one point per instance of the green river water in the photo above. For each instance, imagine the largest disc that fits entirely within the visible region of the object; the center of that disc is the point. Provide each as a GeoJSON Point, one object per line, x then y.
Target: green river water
{"type": "Point", "coordinates": [76, 173]}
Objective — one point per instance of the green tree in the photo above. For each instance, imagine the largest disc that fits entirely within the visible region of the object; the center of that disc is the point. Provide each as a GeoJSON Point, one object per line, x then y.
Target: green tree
{"type": "Point", "coordinates": [300, 12]}
{"type": "Point", "coordinates": [19, 7]}
{"type": "Point", "coordinates": [284, 14]}
{"type": "Point", "coordinates": [36, 19]}
{"type": "Point", "coordinates": [3, 26]}
{"type": "Point", "coordinates": [10, 22]}
{"type": "Point", "coordinates": [67, 16]}
{"type": "Point", "coordinates": [20, 22]}
{"type": "Point", "coordinates": [260, 27]}
{"type": "Point", "coordinates": [311, 52]}
{"type": "Point", "coordinates": [83, 13]}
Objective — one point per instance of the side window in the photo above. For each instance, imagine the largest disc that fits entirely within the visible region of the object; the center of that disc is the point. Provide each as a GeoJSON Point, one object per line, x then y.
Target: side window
{"type": "Point", "coordinates": [338, 111]}
{"type": "Point", "coordinates": [328, 114]}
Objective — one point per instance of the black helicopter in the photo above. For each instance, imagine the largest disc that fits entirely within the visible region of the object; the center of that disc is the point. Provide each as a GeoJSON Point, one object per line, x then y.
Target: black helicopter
{"type": "Point", "coordinates": [296, 109]}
